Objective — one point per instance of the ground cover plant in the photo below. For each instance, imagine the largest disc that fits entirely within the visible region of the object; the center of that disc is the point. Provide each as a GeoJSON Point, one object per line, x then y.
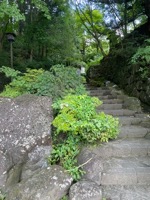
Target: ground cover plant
{"type": "Point", "coordinates": [78, 122]}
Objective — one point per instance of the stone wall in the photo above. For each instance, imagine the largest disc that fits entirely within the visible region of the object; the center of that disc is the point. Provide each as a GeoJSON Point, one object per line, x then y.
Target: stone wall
{"type": "Point", "coordinates": [127, 77]}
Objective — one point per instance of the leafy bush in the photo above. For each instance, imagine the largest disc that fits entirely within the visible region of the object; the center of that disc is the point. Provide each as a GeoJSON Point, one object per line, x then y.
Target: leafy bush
{"type": "Point", "coordinates": [21, 83]}
{"type": "Point", "coordinates": [78, 120]}
{"type": "Point", "coordinates": [142, 55]}
{"type": "Point", "coordinates": [54, 83]}
{"type": "Point", "coordinates": [59, 81]}
{"type": "Point", "coordinates": [78, 116]}
{"type": "Point", "coordinates": [142, 58]}
{"type": "Point", "coordinates": [9, 72]}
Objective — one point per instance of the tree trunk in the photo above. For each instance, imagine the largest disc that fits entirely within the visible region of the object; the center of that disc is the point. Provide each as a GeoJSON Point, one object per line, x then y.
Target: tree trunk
{"type": "Point", "coordinates": [31, 55]}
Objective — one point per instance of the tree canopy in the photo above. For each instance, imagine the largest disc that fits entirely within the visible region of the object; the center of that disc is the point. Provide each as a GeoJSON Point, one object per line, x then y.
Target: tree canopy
{"type": "Point", "coordinates": [69, 32]}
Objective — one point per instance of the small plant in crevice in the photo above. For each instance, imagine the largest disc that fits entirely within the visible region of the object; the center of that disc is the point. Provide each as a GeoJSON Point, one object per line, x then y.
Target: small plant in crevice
{"type": "Point", "coordinates": [2, 196]}
{"type": "Point", "coordinates": [78, 120]}
{"type": "Point", "coordinates": [65, 154]}
{"type": "Point", "coordinates": [64, 198]}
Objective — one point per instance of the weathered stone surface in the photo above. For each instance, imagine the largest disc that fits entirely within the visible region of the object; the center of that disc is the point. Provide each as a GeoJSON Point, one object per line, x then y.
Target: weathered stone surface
{"type": "Point", "coordinates": [25, 123]}
{"type": "Point", "coordinates": [48, 184]}
{"type": "Point", "coordinates": [133, 132]}
{"type": "Point", "coordinates": [132, 103]}
{"type": "Point", "coordinates": [111, 106]}
{"type": "Point", "coordinates": [120, 112]}
{"type": "Point", "coordinates": [92, 165]}
{"type": "Point", "coordinates": [36, 160]}
{"type": "Point", "coordinates": [85, 190]}
{"type": "Point", "coordinates": [129, 147]}
{"type": "Point", "coordinates": [126, 192]}
{"type": "Point", "coordinates": [126, 171]}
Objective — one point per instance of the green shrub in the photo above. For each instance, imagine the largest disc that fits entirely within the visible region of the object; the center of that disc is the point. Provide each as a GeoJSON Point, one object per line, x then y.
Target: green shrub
{"type": "Point", "coordinates": [55, 83]}
{"type": "Point", "coordinates": [142, 59]}
{"type": "Point", "coordinates": [78, 120]}
{"type": "Point", "coordinates": [21, 83]}
{"type": "Point", "coordinates": [9, 72]}
{"type": "Point", "coordinates": [142, 55]}
{"type": "Point", "coordinates": [78, 116]}
{"type": "Point", "coordinates": [59, 81]}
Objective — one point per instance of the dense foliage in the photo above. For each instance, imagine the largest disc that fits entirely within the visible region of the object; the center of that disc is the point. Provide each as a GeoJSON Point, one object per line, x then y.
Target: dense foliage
{"type": "Point", "coordinates": [78, 116]}
{"type": "Point", "coordinates": [55, 83]}
{"type": "Point", "coordinates": [142, 59]}
{"type": "Point", "coordinates": [78, 120]}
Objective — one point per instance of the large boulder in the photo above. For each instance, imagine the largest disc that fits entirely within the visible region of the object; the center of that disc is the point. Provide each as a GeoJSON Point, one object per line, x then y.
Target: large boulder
{"type": "Point", "coordinates": [131, 103]}
{"type": "Point", "coordinates": [85, 190]}
{"type": "Point", "coordinates": [50, 183]}
{"type": "Point", "coordinates": [91, 164]}
{"type": "Point", "coordinates": [25, 129]}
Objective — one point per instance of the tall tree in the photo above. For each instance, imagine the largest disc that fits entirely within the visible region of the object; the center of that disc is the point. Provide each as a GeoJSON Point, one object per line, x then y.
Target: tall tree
{"type": "Point", "coordinates": [128, 10]}
{"type": "Point", "coordinates": [47, 36]}
{"type": "Point", "coordinates": [92, 19]}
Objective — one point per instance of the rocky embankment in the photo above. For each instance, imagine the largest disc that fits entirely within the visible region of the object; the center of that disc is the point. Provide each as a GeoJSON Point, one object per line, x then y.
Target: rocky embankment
{"type": "Point", "coordinates": [117, 170]}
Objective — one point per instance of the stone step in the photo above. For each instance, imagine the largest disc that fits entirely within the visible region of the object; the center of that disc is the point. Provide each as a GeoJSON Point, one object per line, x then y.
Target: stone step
{"type": "Point", "coordinates": [143, 115]}
{"type": "Point", "coordinates": [126, 171]}
{"type": "Point", "coordinates": [124, 120]}
{"type": "Point", "coordinates": [110, 106]}
{"type": "Point", "coordinates": [145, 124]}
{"type": "Point", "coordinates": [103, 97]}
{"type": "Point", "coordinates": [112, 101]}
{"type": "Point", "coordinates": [129, 192]}
{"type": "Point", "coordinates": [100, 92]}
{"type": "Point", "coordinates": [133, 131]}
{"type": "Point", "coordinates": [92, 88]}
{"type": "Point", "coordinates": [123, 148]}
{"type": "Point", "coordinates": [121, 112]}
{"type": "Point", "coordinates": [126, 160]}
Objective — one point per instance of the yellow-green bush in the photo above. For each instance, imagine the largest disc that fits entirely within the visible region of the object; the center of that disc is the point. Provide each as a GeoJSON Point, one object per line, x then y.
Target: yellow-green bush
{"type": "Point", "coordinates": [78, 120]}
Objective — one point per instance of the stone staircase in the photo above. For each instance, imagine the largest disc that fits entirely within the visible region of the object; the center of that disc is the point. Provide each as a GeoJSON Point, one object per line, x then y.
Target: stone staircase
{"type": "Point", "coordinates": [126, 161]}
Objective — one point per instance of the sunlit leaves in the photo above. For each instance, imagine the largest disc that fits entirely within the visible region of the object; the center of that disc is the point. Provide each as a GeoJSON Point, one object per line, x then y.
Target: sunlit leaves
{"type": "Point", "coordinates": [10, 10]}
{"type": "Point", "coordinates": [42, 7]}
{"type": "Point", "coordinates": [78, 116]}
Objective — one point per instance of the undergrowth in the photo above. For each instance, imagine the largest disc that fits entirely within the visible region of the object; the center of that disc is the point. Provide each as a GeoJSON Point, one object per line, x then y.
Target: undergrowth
{"type": "Point", "coordinates": [142, 59]}
{"type": "Point", "coordinates": [77, 122]}
{"type": "Point", "coordinates": [55, 83]}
